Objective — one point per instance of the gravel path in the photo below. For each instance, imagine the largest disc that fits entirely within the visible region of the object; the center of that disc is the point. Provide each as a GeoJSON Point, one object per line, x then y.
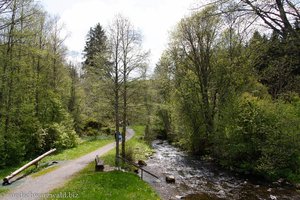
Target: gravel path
{"type": "Point", "coordinates": [39, 187]}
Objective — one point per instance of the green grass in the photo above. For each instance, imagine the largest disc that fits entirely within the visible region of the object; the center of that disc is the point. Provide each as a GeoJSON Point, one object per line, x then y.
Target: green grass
{"type": "Point", "coordinates": [45, 171]}
{"type": "Point", "coordinates": [80, 150]}
{"type": "Point", "coordinates": [137, 146]}
{"type": "Point", "coordinates": [5, 172]}
{"type": "Point", "coordinates": [140, 147]}
{"type": "Point", "coordinates": [83, 148]}
{"type": "Point", "coordinates": [3, 191]}
{"type": "Point", "coordinates": [113, 185]}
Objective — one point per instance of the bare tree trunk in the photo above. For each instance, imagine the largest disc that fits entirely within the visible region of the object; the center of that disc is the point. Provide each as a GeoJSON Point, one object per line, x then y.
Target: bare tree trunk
{"type": "Point", "coordinates": [116, 90]}
{"type": "Point", "coordinates": [124, 110]}
{"type": "Point", "coordinates": [117, 120]}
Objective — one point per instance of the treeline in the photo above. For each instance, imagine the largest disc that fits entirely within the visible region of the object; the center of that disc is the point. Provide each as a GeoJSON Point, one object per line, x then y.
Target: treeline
{"type": "Point", "coordinates": [46, 102]}
{"type": "Point", "coordinates": [35, 83]}
{"type": "Point", "coordinates": [226, 91]}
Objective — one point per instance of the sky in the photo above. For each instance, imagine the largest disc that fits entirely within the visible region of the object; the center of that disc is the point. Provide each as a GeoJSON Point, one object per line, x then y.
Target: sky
{"type": "Point", "coordinates": [154, 18]}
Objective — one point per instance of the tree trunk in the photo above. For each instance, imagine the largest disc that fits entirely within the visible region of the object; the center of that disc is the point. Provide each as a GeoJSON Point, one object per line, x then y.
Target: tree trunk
{"type": "Point", "coordinates": [124, 112]}
{"type": "Point", "coordinates": [117, 120]}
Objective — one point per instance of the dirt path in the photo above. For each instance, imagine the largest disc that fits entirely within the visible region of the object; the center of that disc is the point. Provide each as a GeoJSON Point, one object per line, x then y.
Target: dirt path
{"type": "Point", "coordinates": [39, 187]}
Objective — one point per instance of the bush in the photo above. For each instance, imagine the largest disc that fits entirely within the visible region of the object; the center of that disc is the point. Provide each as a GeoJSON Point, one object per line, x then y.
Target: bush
{"type": "Point", "coordinates": [92, 127]}
{"type": "Point", "coordinates": [61, 137]}
{"type": "Point", "coordinates": [259, 136]}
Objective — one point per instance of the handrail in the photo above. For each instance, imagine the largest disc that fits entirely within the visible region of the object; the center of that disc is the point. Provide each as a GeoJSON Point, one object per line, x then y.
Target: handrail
{"type": "Point", "coordinates": [142, 169]}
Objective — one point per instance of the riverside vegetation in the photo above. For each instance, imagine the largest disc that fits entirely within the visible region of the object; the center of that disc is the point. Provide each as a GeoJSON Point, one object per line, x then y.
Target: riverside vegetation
{"type": "Point", "coordinates": [226, 87]}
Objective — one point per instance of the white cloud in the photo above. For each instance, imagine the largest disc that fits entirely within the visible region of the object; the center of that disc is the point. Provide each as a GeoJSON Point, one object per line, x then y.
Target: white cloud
{"type": "Point", "coordinates": [155, 18]}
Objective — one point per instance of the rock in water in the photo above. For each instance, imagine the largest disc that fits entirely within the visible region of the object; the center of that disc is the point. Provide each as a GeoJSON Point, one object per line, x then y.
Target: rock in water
{"type": "Point", "coordinates": [273, 197]}
{"type": "Point", "coordinates": [142, 163]}
{"type": "Point", "coordinates": [178, 197]}
{"type": "Point", "coordinates": [222, 193]}
{"type": "Point", "coordinates": [170, 179]}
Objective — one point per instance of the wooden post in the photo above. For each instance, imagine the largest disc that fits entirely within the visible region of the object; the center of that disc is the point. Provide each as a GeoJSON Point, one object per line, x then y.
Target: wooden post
{"type": "Point", "coordinates": [139, 167]}
{"type": "Point", "coordinates": [142, 173]}
{"type": "Point", "coordinates": [33, 162]}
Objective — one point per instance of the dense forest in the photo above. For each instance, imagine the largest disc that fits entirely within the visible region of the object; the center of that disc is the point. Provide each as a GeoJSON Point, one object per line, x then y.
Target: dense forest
{"type": "Point", "coordinates": [47, 102]}
{"type": "Point", "coordinates": [35, 91]}
{"type": "Point", "coordinates": [227, 86]}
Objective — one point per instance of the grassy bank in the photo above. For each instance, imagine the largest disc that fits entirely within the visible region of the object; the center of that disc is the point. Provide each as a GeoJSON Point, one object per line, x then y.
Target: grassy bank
{"type": "Point", "coordinates": [83, 148]}
{"type": "Point", "coordinates": [136, 147]}
{"type": "Point", "coordinates": [114, 185]}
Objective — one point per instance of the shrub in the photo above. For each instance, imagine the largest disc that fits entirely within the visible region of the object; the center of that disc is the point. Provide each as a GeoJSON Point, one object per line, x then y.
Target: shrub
{"type": "Point", "coordinates": [259, 136]}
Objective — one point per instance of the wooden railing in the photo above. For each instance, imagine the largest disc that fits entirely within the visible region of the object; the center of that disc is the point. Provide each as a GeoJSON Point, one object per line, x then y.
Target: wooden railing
{"type": "Point", "coordinates": [139, 167]}
{"type": "Point", "coordinates": [33, 162]}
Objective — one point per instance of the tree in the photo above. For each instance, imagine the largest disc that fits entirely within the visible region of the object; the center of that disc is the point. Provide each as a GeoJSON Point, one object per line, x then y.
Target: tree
{"type": "Point", "coordinates": [114, 45]}
{"type": "Point", "coordinates": [276, 63]}
{"type": "Point", "coordinates": [95, 45]}
{"type": "Point", "coordinates": [127, 57]}
{"type": "Point", "coordinates": [281, 71]}
{"type": "Point", "coordinates": [33, 84]}
{"type": "Point", "coordinates": [281, 16]}
{"type": "Point", "coordinates": [195, 41]}
{"type": "Point", "coordinates": [133, 58]}
{"type": "Point", "coordinates": [96, 78]}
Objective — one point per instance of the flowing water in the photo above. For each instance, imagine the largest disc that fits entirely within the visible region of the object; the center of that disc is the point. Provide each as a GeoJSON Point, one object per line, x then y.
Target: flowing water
{"type": "Point", "coordinates": [199, 179]}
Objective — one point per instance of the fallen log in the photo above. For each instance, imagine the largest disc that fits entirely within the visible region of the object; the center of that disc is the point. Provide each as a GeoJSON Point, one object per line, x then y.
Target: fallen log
{"type": "Point", "coordinates": [33, 162]}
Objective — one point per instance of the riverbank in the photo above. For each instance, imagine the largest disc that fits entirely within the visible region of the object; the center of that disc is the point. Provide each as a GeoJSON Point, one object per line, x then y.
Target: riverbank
{"type": "Point", "coordinates": [202, 179]}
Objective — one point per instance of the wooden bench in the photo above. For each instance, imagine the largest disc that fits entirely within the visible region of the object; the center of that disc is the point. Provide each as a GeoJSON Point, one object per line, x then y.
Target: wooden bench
{"type": "Point", "coordinates": [99, 164]}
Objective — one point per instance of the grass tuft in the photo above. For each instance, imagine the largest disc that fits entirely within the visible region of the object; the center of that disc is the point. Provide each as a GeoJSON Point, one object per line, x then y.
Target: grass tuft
{"type": "Point", "coordinates": [45, 171]}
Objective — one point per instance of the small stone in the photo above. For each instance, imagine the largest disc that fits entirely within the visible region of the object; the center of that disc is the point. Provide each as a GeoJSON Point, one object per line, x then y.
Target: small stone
{"type": "Point", "coordinates": [281, 180]}
{"type": "Point", "coordinates": [297, 186]}
{"type": "Point", "coordinates": [269, 190]}
{"type": "Point", "coordinates": [178, 197]}
{"type": "Point", "coordinates": [157, 181]}
{"type": "Point", "coordinates": [272, 197]}
{"type": "Point", "coordinates": [221, 193]}
{"type": "Point", "coordinates": [170, 179]}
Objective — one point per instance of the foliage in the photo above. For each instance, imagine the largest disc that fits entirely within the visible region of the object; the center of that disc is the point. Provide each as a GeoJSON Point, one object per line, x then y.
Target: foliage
{"type": "Point", "coordinates": [216, 93]}
{"type": "Point", "coordinates": [277, 62]}
{"type": "Point", "coordinates": [35, 84]}
{"type": "Point", "coordinates": [259, 136]}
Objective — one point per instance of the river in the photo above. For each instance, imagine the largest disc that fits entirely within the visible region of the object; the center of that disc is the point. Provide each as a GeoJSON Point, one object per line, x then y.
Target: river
{"type": "Point", "coordinates": [202, 180]}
